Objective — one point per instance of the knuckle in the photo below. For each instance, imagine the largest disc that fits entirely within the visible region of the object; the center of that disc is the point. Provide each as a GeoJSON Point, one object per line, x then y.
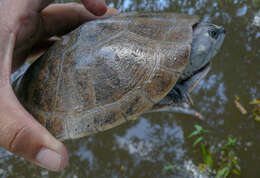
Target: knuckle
{"type": "Point", "coordinates": [24, 143]}
{"type": "Point", "coordinates": [26, 18]}
{"type": "Point", "coordinates": [12, 145]}
{"type": "Point", "coordinates": [74, 4]}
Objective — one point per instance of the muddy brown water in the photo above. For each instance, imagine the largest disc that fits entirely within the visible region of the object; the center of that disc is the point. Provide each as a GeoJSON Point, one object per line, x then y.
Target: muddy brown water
{"type": "Point", "coordinates": [143, 147]}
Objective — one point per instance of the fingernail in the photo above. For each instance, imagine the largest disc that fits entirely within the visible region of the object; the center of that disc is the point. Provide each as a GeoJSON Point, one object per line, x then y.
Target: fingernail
{"type": "Point", "coordinates": [50, 159]}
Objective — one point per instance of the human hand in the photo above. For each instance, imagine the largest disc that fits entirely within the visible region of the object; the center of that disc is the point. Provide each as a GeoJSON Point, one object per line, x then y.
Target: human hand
{"type": "Point", "coordinates": [23, 24]}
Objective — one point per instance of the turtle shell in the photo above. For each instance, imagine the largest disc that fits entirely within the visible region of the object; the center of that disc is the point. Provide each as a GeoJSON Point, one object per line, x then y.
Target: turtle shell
{"type": "Point", "coordinates": [107, 72]}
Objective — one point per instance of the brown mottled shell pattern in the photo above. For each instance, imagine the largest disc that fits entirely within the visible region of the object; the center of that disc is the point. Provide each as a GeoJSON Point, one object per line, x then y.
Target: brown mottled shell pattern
{"type": "Point", "coordinates": [107, 72]}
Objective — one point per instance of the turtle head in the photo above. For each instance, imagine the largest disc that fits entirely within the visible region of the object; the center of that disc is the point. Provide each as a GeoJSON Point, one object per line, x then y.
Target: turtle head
{"type": "Point", "coordinates": [207, 40]}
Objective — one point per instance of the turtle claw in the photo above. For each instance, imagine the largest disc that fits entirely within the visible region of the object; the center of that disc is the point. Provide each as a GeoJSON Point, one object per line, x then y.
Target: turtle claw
{"type": "Point", "coordinates": [187, 98]}
{"type": "Point", "coordinates": [179, 94]}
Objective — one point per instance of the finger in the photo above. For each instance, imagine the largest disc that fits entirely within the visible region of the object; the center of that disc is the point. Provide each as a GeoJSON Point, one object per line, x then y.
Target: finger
{"type": "Point", "coordinates": [20, 133]}
{"type": "Point", "coordinates": [30, 5]}
{"type": "Point", "coordinates": [19, 8]}
{"type": "Point", "coordinates": [59, 19]}
{"type": "Point", "coordinates": [32, 54]}
{"type": "Point", "coordinates": [97, 7]}
{"type": "Point", "coordinates": [39, 49]}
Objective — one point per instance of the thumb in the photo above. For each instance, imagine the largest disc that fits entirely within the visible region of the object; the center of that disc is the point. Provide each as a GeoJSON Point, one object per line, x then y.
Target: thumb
{"type": "Point", "coordinates": [23, 135]}
{"type": "Point", "coordinates": [20, 132]}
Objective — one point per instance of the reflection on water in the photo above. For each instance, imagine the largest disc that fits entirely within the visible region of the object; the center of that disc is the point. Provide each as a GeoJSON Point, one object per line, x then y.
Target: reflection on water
{"type": "Point", "coordinates": [142, 148]}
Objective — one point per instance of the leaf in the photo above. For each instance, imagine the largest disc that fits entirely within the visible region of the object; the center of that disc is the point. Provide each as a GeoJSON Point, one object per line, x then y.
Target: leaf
{"type": "Point", "coordinates": [257, 118]}
{"type": "Point", "coordinates": [237, 172]}
{"type": "Point", "coordinates": [256, 112]}
{"type": "Point", "coordinates": [255, 101]}
{"type": "Point", "coordinates": [197, 131]}
{"type": "Point", "coordinates": [199, 139]}
{"type": "Point", "coordinates": [194, 133]}
{"type": "Point", "coordinates": [206, 131]}
{"type": "Point", "coordinates": [223, 172]}
{"type": "Point", "coordinates": [231, 142]}
{"type": "Point", "coordinates": [207, 157]}
{"type": "Point", "coordinates": [227, 172]}
{"type": "Point", "coordinates": [209, 160]}
{"type": "Point", "coordinates": [237, 98]}
{"type": "Point", "coordinates": [203, 150]}
{"type": "Point", "coordinates": [202, 167]}
{"type": "Point", "coordinates": [168, 168]}
{"type": "Point", "coordinates": [198, 127]}
{"type": "Point", "coordinates": [234, 162]}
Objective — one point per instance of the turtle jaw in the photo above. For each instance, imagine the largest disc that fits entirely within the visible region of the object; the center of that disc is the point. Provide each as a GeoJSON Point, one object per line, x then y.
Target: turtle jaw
{"type": "Point", "coordinates": [197, 76]}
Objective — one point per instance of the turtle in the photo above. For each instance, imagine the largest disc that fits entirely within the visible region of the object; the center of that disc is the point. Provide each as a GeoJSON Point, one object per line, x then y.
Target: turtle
{"type": "Point", "coordinates": [110, 71]}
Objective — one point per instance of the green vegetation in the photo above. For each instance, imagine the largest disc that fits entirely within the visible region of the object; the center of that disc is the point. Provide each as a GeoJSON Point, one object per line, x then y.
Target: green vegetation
{"type": "Point", "coordinates": [222, 166]}
{"type": "Point", "coordinates": [256, 109]}
{"type": "Point", "coordinates": [220, 162]}
{"type": "Point", "coordinates": [199, 133]}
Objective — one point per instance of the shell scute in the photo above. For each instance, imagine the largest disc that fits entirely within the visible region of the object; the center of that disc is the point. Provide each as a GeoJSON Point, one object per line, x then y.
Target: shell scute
{"type": "Point", "coordinates": [109, 118]}
{"type": "Point", "coordinates": [134, 104]}
{"type": "Point", "coordinates": [159, 84]}
{"type": "Point", "coordinates": [121, 65]}
{"type": "Point", "coordinates": [99, 31]}
{"type": "Point", "coordinates": [150, 28]}
{"type": "Point", "coordinates": [174, 57]}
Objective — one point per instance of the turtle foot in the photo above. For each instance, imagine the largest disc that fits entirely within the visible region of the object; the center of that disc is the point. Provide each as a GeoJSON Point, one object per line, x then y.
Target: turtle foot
{"type": "Point", "coordinates": [180, 94]}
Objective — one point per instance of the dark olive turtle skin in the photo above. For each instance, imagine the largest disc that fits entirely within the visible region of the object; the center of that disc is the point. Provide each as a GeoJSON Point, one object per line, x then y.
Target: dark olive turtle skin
{"type": "Point", "coordinates": [107, 72]}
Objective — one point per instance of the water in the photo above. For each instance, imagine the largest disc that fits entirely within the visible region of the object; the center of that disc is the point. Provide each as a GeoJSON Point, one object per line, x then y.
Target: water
{"type": "Point", "coordinates": [143, 147]}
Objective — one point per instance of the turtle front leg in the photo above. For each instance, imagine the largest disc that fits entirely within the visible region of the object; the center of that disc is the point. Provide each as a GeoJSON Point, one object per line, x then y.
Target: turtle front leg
{"type": "Point", "coordinates": [181, 92]}
{"type": "Point", "coordinates": [178, 95]}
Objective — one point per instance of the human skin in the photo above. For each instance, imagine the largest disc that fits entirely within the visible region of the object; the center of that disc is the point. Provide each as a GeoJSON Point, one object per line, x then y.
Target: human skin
{"type": "Point", "coordinates": [23, 24]}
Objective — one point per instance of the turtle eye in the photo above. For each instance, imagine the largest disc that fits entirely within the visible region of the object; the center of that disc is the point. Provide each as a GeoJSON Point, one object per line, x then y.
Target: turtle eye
{"type": "Point", "coordinates": [213, 34]}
